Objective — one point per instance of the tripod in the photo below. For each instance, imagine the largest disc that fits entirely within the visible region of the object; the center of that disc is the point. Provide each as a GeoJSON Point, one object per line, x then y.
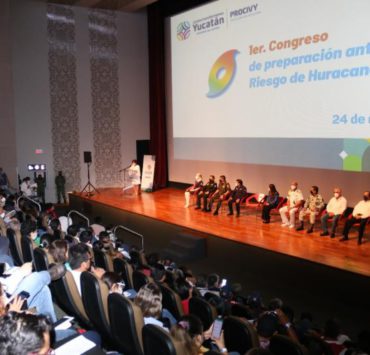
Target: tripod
{"type": "Point", "coordinates": [89, 187]}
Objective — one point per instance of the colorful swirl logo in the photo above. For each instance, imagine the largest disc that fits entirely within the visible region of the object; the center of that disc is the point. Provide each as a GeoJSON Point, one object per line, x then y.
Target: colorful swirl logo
{"type": "Point", "coordinates": [222, 73]}
{"type": "Point", "coordinates": [183, 31]}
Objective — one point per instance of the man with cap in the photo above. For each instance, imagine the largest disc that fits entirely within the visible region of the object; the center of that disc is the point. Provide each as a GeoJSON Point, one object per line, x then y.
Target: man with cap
{"type": "Point", "coordinates": [294, 202]}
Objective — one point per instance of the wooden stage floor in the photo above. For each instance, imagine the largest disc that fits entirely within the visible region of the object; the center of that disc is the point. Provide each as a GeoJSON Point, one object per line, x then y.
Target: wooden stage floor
{"type": "Point", "coordinates": [167, 205]}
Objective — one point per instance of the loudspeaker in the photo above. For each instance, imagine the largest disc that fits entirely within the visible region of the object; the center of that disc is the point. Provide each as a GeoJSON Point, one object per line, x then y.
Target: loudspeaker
{"type": "Point", "coordinates": [87, 157]}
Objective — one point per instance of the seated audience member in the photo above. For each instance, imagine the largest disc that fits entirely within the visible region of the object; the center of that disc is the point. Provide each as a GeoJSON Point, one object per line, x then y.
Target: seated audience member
{"type": "Point", "coordinates": [23, 334]}
{"type": "Point", "coordinates": [73, 232]}
{"type": "Point", "coordinates": [360, 214]}
{"type": "Point", "coordinates": [333, 336]}
{"type": "Point", "coordinates": [29, 230]}
{"type": "Point", "coordinates": [86, 237]}
{"type": "Point", "coordinates": [149, 299]}
{"type": "Point", "coordinates": [193, 189]}
{"type": "Point", "coordinates": [312, 207]}
{"type": "Point", "coordinates": [106, 245]}
{"type": "Point", "coordinates": [18, 279]}
{"type": "Point", "coordinates": [185, 291]}
{"type": "Point", "coordinates": [116, 284]}
{"type": "Point", "coordinates": [59, 252]}
{"type": "Point", "coordinates": [335, 208]}
{"type": "Point", "coordinates": [294, 202]}
{"type": "Point", "coordinates": [56, 227]}
{"type": "Point", "coordinates": [213, 284]}
{"type": "Point", "coordinates": [221, 194]}
{"type": "Point", "coordinates": [267, 326]}
{"type": "Point", "coordinates": [50, 210]}
{"type": "Point", "coordinates": [269, 323]}
{"type": "Point", "coordinates": [189, 332]}
{"type": "Point", "coordinates": [27, 188]}
{"type": "Point", "coordinates": [97, 226]}
{"type": "Point", "coordinates": [80, 261]}
{"type": "Point", "coordinates": [237, 195]}
{"type": "Point", "coordinates": [270, 202]}
{"type": "Point", "coordinates": [208, 189]}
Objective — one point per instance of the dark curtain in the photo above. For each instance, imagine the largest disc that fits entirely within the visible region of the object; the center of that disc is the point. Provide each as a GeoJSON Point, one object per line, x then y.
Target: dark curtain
{"type": "Point", "coordinates": [158, 139]}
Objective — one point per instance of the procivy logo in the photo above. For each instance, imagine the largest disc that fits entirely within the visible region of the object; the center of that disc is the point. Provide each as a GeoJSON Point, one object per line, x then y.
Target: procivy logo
{"type": "Point", "coordinates": [183, 31]}
{"type": "Point", "coordinates": [222, 73]}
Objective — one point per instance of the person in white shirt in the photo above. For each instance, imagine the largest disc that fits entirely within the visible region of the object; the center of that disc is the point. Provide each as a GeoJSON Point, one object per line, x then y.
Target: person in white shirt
{"type": "Point", "coordinates": [335, 208]}
{"type": "Point", "coordinates": [134, 173]}
{"type": "Point", "coordinates": [295, 201]}
{"type": "Point", "coordinates": [360, 214]}
{"type": "Point", "coordinates": [27, 188]}
{"type": "Point", "coordinates": [80, 261]}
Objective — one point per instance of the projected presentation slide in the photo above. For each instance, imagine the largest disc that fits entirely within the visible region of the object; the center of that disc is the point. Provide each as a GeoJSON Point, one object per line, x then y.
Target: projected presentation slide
{"type": "Point", "coordinates": [288, 81]}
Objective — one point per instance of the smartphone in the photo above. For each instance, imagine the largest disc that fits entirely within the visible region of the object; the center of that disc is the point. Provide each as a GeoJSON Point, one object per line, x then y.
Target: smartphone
{"type": "Point", "coordinates": [223, 283]}
{"type": "Point", "coordinates": [23, 295]}
{"type": "Point", "coordinates": [217, 328]}
{"type": "Point", "coordinates": [2, 269]}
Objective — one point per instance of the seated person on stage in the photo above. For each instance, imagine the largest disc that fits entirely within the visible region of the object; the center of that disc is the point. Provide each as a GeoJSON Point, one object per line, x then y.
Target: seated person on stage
{"type": "Point", "coordinates": [271, 200]}
{"type": "Point", "coordinates": [295, 200]}
{"type": "Point", "coordinates": [208, 189]}
{"type": "Point", "coordinates": [194, 189]}
{"type": "Point", "coordinates": [312, 207]}
{"type": "Point", "coordinates": [237, 196]}
{"type": "Point", "coordinates": [360, 214]}
{"type": "Point", "coordinates": [222, 193]}
{"type": "Point", "coordinates": [335, 208]}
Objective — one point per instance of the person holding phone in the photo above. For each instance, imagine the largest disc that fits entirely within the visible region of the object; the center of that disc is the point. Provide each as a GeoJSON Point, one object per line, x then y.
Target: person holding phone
{"type": "Point", "coordinates": [16, 280]}
{"type": "Point", "coordinates": [189, 331]}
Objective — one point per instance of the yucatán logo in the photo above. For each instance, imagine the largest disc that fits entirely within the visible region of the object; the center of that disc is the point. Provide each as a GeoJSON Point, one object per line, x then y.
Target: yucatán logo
{"type": "Point", "coordinates": [183, 31]}
{"type": "Point", "coordinates": [222, 73]}
{"type": "Point", "coordinates": [209, 23]}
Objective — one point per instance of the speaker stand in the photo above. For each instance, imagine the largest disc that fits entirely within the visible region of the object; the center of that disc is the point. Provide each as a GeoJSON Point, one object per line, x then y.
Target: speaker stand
{"type": "Point", "coordinates": [89, 187]}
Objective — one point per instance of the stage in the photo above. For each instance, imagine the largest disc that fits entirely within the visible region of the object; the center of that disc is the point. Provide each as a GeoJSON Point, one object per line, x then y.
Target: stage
{"type": "Point", "coordinates": [167, 205]}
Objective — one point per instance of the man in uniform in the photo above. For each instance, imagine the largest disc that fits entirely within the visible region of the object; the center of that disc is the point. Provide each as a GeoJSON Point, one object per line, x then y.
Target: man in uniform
{"type": "Point", "coordinates": [60, 182]}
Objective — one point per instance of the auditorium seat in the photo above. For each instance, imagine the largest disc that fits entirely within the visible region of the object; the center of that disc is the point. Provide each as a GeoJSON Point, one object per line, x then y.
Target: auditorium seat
{"type": "Point", "coordinates": [123, 268]}
{"type": "Point", "coordinates": [95, 300]}
{"type": "Point", "coordinates": [158, 341]}
{"type": "Point", "coordinates": [283, 345]}
{"type": "Point", "coordinates": [15, 246]}
{"type": "Point", "coordinates": [27, 249]}
{"type": "Point", "coordinates": [316, 346]}
{"type": "Point", "coordinates": [254, 201]}
{"type": "Point", "coordinates": [126, 321]}
{"type": "Point", "coordinates": [239, 335]}
{"type": "Point", "coordinates": [201, 308]}
{"type": "Point", "coordinates": [171, 301]}
{"type": "Point", "coordinates": [140, 279]}
{"type": "Point", "coordinates": [65, 292]}
{"type": "Point", "coordinates": [103, 260]}
{"type": "Point", "coordinates": [41, 259]}
{"type": "Point", "coordinates": [242, 311]}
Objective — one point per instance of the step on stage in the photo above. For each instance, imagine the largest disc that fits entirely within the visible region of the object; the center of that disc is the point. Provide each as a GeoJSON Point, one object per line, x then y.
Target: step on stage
{"type": "Point", "coordinates": [167, 205]}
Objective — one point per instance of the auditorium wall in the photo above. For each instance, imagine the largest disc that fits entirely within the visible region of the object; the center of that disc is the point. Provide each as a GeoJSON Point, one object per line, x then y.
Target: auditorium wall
{"type": "Point", "coordinates": [80, 79]}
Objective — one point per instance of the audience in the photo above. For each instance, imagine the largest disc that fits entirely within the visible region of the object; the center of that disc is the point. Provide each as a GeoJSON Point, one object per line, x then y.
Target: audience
{"type": "Point", "coordinates": [24, 333]}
